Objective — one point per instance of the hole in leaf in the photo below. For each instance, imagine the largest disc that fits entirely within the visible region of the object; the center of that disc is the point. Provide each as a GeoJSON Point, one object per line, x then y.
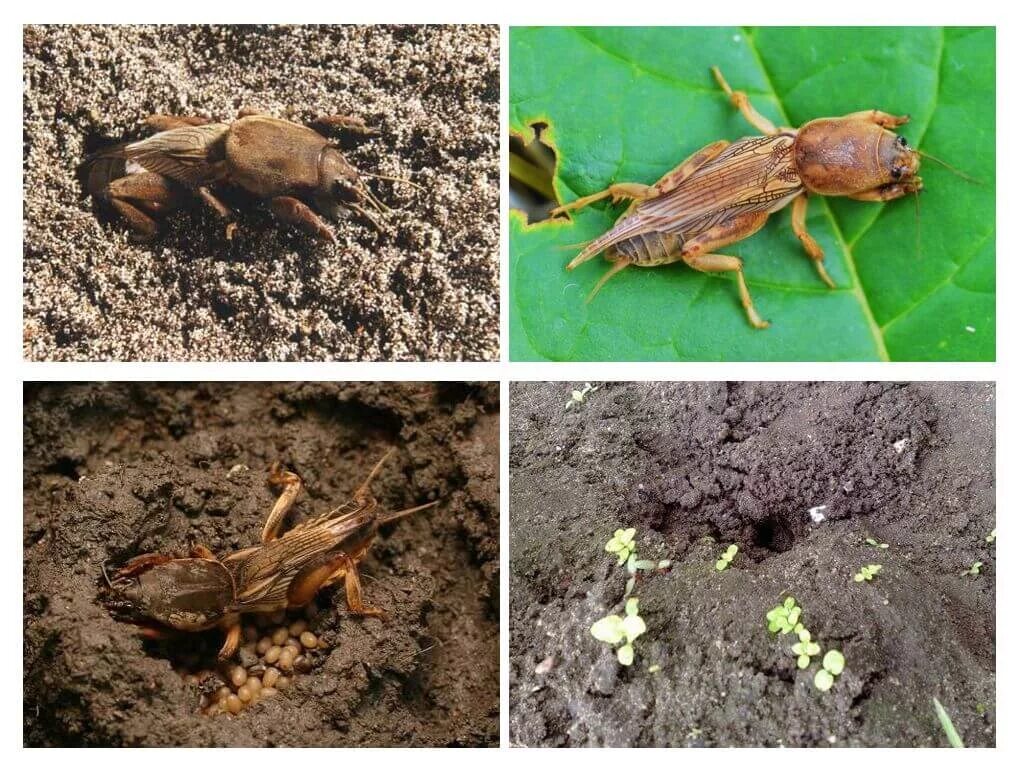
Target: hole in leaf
{"type": "Point", "coordinates": [531, 170]}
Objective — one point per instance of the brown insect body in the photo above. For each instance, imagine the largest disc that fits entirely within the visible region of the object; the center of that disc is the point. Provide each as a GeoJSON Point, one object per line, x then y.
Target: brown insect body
{"type": "Point", "coordinates": [290, 165]}
{"type": "Point", "coordinates": [285, 571]}
{"type": "Point", "coordinates": [726, 191]}
{"type": "Point", "coordinates": [838, 156]}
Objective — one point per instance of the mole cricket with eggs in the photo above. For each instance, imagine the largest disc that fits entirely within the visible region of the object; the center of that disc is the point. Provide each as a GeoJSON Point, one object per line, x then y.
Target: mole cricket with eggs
{"type": "Point", "coordinates": [162, 593]}
{"type": "Point", "coordinates": [293, 166]}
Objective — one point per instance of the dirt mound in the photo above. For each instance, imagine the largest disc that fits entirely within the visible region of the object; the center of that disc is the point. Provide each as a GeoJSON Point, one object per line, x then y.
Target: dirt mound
{"type": "Point", "coordinates": [112, 471]}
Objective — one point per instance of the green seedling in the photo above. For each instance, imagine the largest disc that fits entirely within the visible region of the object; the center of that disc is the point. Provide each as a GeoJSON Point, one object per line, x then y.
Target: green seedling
{"type": "Point", "coordinates": [725, 559]}
{"type": "Point", "coordinates": [974, 570]}
{"type": "Point", "coordinates": [875, 544]}
{"type": "Point", "coordinates": [617, 629]}
{"type": "Point", "coordinates": [579, 395]}
{"type": "Point", "coordinates": [991, 537]}
{"type": "Point", "coordinates": [805, 649]}
{"type": "Point", "coordinates": [622, 544]}
{"type": "Point", "coordinates": [947, 725]}
{"type": "Point", "coordinates": [785, 618]}
{"type": "Point", "coordinates": [831, 666]}
{"type": "Point", "coordinates": [868, 572]}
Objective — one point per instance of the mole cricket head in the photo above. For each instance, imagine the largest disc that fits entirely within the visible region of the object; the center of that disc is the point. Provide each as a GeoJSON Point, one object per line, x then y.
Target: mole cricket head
{"type": "Point", "coordinates": [843, 156]}
{"type": "Point", "coordinates": [343, 191]}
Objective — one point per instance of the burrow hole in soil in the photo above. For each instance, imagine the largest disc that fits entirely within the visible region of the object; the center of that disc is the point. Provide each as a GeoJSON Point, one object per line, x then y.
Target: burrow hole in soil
{"type": "Point", "coordinates": [263, 664]}
{"type": "Point", "coordinates": [773, 534]}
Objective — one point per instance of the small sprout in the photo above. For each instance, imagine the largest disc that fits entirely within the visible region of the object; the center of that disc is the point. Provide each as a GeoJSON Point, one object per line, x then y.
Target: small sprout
{"type": "Point", "coordinates": [947, 725]}
{"type": "Point", "coordinates": [784, 618]}
{"type": "Point", "coordinates": [875, 544]}
{"type": "Point", "coordinates": [579, 395]}
{"type": "Point", "coordinates": [640, 565]}
{"type": "Point", "coordinates": [654, 668]}
{"type": "Point", "coordinates": [663, 564]}
{"type": "Point", "coordinates": [868, 572]}
{"type": "Point", "coordinates": [622, 544]}
{"type": "Point", "coordinates": [834, 662]}
{"type": "Point", "coordinates": [615, 629]}
{"type": "Point", "coordinates": [823, 680]}
{"type": "Point", "coordinates": [974, 570]}
{"type": "Point", "coordinates": [725, 559]}
{"type": "Point", "coordinates": [991, 537]}
{"type": "Point", "coordinates": [805, 649]}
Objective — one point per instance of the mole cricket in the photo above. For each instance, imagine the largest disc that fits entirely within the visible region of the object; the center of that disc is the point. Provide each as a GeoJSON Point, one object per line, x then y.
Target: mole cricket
{"type": "Point", "coordinates": [296, 168]}
{"type": "Point", "coordinates": [286, 570]}
{"type": "Point", "coordinates": [726, 191]}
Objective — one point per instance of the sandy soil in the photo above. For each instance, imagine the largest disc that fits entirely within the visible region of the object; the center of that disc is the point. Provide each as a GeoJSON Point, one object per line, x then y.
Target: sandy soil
{"type": "Point", "coordinates": [427, 289]}
{"type": "Point", "coordinates": [695, 467]}
{"type": "Point", "coordinates": [115, 470]}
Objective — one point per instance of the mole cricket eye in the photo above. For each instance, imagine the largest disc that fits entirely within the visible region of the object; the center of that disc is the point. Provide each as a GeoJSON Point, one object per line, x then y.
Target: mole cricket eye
{"type": "Point", "coordinates": [902, 142]}
{"type": "Point", "coordinates": [897, 171]}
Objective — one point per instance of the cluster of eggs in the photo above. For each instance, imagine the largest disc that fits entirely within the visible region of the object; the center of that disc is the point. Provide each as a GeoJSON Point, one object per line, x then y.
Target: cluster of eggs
{"type": "Point", "coordinates": [272, 653]}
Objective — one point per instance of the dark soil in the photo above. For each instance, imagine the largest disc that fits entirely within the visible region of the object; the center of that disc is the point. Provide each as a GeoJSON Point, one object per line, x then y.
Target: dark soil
{"type": "Point", "coordinates": [115, 470]}
{"type": "Point", "coordinates": [697, 466]}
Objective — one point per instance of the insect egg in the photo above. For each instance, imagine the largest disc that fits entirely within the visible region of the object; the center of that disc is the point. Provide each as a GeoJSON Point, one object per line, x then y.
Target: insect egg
{"type": "Point", "coordinates": [308, 639]}
{"type": "Point", "coordinates": [280, 636]}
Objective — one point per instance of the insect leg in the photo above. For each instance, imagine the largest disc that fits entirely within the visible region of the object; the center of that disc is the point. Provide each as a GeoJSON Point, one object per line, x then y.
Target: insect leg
{"type": "Point", "coordinates": [170, 122]}
{"type": "Point", "coordinates": [311, 580]}
{"type": "Point", "coordinates": [141, 563]}
{"type": "Point", "coordinates": [222, 210]}
{"type": "Point", "coordinates": [715, 262]}
{"type": "Point", "coordinates": [355, 126]}
{"type": "Point", "coordinates": [292, 487]}
{"type": "Point", "coordinates": [890, 191]}
{"type": "Point", "coordinates": [696, 255]}
{"type": "Point", "coordinates": [296, 212]}
{"type": "Point", "coordinates": [233, 627]}
{"type": "Point", "coordinates": [616, 192]}
{"type": "Point", "coordinates": [811, 246]}
{"type": "Point", "coordinates": [141, 196]}
{"type": "Point", "coordinates": [201, 551]}
{"type": "Point", "coordinates": [884, 119]}
{"type": "Point", "coordinates": [742, 103]}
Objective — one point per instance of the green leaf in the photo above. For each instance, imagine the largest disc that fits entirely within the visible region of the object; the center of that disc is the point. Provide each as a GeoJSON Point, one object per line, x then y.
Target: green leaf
{"type": "Point", "coordinates": [629, 104]}
{"type": "Point", "coordinates": [633, 627]}
{"type": "Point", "coordinates": [632, 607]}
{"type": "Point", "coordinates": [834, 662]}
{"type": "Point", "coordinates": [947, 725]}
{"type": "Point", "coordinates": [625, 654]}
{"type": "Point", "coordinates": [608, 630]}
{"type": "Point", "coordinates": [823, 680]}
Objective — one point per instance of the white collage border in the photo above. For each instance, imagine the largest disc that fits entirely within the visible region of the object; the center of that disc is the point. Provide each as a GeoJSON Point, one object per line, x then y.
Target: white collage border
{"type": "Point", "coordinates": [1006, 372]}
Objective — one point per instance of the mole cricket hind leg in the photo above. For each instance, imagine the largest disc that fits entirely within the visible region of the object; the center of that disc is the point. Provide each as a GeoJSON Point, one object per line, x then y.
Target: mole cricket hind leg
{"type": "Point", "coordinates": [740, 100]}
{"type": "Point", "coordinates": [696, 255]}
{"type": "Point", "coordinates": [312, 579]}
{"type": "Point", "coordinates": [141, 197]}
{"type": "Point", "coordinates": [291, 486]}
{"type": "Point", "coordinates": [811, 247]}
